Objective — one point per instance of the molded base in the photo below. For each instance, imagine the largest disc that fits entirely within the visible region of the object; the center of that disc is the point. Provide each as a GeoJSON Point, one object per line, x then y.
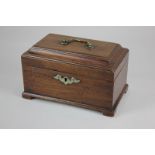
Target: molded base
{"type": "Point", "coordinates": [27, 96]}
{"type": "Point", "coordinates": [106, 112]}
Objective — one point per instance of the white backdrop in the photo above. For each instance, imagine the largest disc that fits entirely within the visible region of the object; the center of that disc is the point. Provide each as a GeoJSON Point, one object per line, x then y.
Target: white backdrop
{"type": "Point", "coordinates": [136, 109]}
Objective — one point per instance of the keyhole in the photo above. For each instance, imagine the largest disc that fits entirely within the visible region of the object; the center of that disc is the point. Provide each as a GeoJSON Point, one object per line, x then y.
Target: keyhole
{"type": "Point", "coordinates": [65, 79]}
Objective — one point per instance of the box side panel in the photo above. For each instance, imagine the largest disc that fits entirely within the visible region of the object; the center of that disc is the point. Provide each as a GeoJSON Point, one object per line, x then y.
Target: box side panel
{"type": "Point", "coordinates": [27, 78]}
{"type": "Point", "coordinates": [121, 61]}
{"type": "Point", "coordinates": [120, 82]}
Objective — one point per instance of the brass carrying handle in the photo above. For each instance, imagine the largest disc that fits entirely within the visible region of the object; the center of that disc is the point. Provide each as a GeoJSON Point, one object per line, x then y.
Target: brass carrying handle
{"type": "Point", "coordinates": [87, 43]}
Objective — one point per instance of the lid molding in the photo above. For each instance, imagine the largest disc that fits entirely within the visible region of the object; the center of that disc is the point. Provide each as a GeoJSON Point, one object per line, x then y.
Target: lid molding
{"type": "Point", "coordinates": [105, 55]}
{"type": "Point", "coordinates": [50, 52]}
{"type": "Point", "coordinates": [100, 49]}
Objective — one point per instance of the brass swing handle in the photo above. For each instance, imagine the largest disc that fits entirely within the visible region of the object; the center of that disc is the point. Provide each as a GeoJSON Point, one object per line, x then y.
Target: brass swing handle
{"type": "Point", "coordinates": [87, 43]}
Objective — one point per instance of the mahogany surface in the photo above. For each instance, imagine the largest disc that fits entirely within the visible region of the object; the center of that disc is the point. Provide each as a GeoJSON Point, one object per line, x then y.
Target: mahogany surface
{"type": "Point", "coordinates": [102, 72]}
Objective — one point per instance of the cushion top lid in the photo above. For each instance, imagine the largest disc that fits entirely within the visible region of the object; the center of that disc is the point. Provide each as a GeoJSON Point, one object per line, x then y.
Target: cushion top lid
{"type": "Point", "coordinates": [93, 52]}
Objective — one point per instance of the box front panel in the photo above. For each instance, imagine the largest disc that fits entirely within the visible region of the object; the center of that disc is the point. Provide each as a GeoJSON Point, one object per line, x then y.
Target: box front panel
{"type": "Point", "coordinates": [63, 84]}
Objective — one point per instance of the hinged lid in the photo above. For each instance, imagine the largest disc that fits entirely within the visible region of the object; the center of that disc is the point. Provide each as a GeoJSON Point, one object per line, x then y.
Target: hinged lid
{"type": "Point", "coordinates": [78, 50]}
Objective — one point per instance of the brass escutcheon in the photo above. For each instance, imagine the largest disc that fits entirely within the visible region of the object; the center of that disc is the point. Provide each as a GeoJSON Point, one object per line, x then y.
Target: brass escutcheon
{"type": "Point", "coordinates": [66, 80]}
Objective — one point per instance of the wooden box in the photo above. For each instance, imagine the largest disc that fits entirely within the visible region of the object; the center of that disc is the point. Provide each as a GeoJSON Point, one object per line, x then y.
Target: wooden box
{"type": "Point", "coordinates": [81, 72]}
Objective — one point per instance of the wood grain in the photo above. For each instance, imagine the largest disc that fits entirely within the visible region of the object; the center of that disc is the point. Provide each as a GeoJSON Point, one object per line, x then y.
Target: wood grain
{"type": "Point", "coordinates": [102, 72]}
{"type": "Point", "coordinates": [105, 111]}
